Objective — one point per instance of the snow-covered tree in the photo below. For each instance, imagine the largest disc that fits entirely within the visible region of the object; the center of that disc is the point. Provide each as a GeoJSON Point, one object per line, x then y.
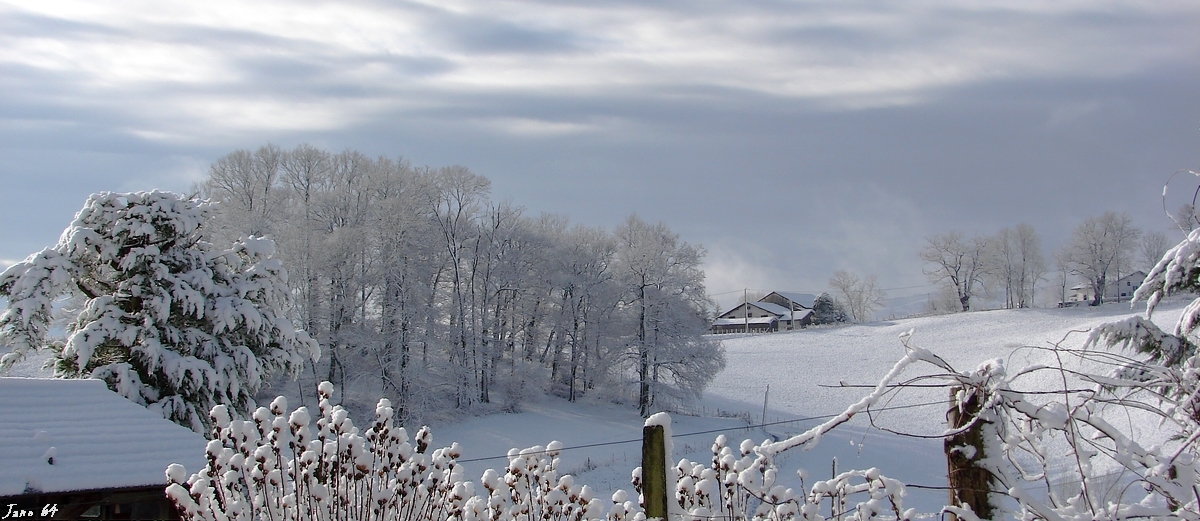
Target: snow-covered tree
{"type": "Point", "coordinates": [167, 319]}
{"type": "Point", "coordinates": [958, 262]}
{"type": "Point", "coordinates": [412, 277]}
{"type": "Point", "coordinates": [665, 289]}
{"type": "Point", "coordinates": [1177, 272]}
{"type": "Point", "coordinates": [859, 296]}
{"type": "Point", "coordinates": [1018, 264]}
{"type": "Point", "coordinates": [1101, 247]}
{"type": "Point", "coordinates": [1153, 246]}
{"type": "Point", "coordinates": [247, 183]}
{"type": "Point", "coordinates": [826, 310]}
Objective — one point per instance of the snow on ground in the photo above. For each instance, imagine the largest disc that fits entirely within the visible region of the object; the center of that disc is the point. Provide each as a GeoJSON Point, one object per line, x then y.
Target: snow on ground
{"type": "Point", "coordinates": [609, 437]}
{"type": "Point", "coordinates": [797, 365]}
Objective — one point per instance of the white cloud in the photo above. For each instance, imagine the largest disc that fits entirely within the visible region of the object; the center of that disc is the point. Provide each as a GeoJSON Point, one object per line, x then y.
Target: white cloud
{"type": "Point", "coordinates": [842, 56]}
{"type": "Point", "coordinates": [733, 266]}
{"type": "Point", "coordinates": [689, 94]}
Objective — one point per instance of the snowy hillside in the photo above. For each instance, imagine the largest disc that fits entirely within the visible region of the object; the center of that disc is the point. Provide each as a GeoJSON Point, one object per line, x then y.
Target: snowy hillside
{"type": "Point", "coordinates": [797, 366]}
{"type": "Point", "coordinates": [800, 366]}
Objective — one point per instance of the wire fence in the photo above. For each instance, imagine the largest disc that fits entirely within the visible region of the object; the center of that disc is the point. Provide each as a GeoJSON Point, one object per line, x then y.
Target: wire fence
{"type": "Point", "coordinates": [709, 431]}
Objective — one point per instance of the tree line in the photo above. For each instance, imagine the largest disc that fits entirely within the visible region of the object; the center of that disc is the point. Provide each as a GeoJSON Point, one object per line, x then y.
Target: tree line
{"type": "Point", "coordinates": [1011, 263]}
{"type": "Point", "coordinates": [420, 286]}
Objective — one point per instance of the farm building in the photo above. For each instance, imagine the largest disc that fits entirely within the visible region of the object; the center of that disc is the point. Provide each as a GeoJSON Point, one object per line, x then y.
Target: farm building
{"type": "Point", "coordinates": [778, 311]}
{"type": "Point", "coordinates": [1114, 291]}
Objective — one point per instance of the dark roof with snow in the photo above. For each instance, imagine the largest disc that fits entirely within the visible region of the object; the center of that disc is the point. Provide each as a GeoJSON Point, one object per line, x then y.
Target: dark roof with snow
{"type": "Point", "coordinates": [67, 435]}
{"type": "Point", "coordinates": [771, 308]}
{"type": "Point", "coordinates": [774, 309]}
{"type": "Point", "coordinates": [1138, 275]}
{"type": "Point", "coordinates": [804, 299]}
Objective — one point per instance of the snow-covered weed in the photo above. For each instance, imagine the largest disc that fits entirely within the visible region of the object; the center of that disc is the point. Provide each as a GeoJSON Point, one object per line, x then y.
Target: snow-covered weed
{"type": "Point", "coordinates": [280, 466]}
{"type": "Point", "coordinates": [740, 483]}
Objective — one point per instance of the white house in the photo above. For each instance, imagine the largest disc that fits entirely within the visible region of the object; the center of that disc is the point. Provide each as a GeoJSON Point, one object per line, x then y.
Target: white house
{"type": "Point", "coordinates": [1115, 291]}
{"type": "Point", "coordinates": [86, 452]}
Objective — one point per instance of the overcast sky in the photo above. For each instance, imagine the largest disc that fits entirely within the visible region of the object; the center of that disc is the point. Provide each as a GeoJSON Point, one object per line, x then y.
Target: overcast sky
{"type": "Point", "coordinates": [790, 139]}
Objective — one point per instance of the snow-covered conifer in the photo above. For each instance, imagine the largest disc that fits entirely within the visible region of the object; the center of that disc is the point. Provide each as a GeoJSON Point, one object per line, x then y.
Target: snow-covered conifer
{"type": "Point", "coordinates": [1177, 272]}
{"type": "Point", "coordinates": [826, 310]}
{"type": "Point", "coordinates": [169, 320]}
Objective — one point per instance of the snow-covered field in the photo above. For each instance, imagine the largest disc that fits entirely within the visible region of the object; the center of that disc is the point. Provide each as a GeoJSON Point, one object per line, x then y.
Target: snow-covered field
{"type": "Point", "coordinates": [798, 367]}
{"type": "Point", "coordinates": [804, 370]}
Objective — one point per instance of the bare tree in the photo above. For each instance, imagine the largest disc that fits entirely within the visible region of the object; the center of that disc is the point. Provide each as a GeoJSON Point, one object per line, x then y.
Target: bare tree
{"type": "Point", "coordinates": [1018, 264]}
{"type": "Point", "coordinates": [247, 184]}
{"type": "Point", "coordinates": [419, 285]}
{"type": "Point", "coordinates": [1152, 248]}
{"type": "Point", "coordinates": [860, 296]}
{"type": "Point", "coordinates": [959, 262]}
{"type": "Point", "coordinates": [1063, 267]}
{"type": "Point", "coordinates": [1033, 263]}
{"type": "Point", "coordinates": [1185, 218]}
{"type": "Point", "coordinates": [1098, 248]}
{"type": "Point", "coordinates": [1006, 265]}
{"type": "Point", "coordinates": [457, 207]}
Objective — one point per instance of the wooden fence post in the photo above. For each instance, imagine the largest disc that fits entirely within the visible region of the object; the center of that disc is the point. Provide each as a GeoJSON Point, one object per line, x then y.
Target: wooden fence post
{"type": "Point", "coordinates": [654, 471]}
{"type": "Point", "coordinates": [970, 485]}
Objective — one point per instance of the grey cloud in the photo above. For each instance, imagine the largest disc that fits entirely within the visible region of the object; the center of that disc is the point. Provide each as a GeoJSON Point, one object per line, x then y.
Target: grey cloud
{"type": "Point", "coordinates": [490, 35]}
{"type": "Point", "coordinates": [854, 189]}
{"type": "Point", "coordinates": [23, 23]}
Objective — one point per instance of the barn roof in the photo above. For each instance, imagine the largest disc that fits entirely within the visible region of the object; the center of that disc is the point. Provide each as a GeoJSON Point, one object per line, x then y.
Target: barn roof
{"type": "Point", "coordinates": [804, 299]}
{"type": "Point", "coordinates": [774, 309]}
{"type": "Point", "coordinates": [68, 435]}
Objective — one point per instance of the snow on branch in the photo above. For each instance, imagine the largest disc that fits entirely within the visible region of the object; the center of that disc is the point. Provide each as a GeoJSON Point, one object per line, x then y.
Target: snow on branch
{"type": "Point", "coordinates": [169, 320]}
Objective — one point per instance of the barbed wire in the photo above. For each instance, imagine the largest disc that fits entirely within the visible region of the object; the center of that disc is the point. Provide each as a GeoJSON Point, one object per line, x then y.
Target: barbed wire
{"type": "Point", "coordinates": [697, 433]}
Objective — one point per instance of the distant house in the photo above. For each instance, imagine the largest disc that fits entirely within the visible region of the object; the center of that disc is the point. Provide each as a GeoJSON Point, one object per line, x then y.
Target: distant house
{"type": "Point", "coordinates": [1115, 291]}
{"type": "Point", "coordinates": [778, 311]}
{"type": "Point", "coordinates": [77, 449]}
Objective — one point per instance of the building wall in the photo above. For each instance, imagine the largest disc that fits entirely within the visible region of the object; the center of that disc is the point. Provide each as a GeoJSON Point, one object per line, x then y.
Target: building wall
{"type": "Point", "coordinates": [740, 312]}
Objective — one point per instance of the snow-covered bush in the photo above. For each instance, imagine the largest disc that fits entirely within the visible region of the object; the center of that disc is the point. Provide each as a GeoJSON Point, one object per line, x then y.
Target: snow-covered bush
{"type": "Point", "coordinates": [169, 320]}
{"type": "Point", "coordinates": [531, 489]}
{"type": "Point", "coordinates": [741, 484]}
{"type": "Point", "coordinates": [280, 465]}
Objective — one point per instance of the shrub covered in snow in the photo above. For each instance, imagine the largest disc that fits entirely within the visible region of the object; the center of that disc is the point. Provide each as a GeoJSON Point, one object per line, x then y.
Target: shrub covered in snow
{"type": "Point", "coordinates": [282, 466]}
{"type": "Point", "coordinates": [167, 319]}
{"type": "Point", "coordinates": [740, 483]}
